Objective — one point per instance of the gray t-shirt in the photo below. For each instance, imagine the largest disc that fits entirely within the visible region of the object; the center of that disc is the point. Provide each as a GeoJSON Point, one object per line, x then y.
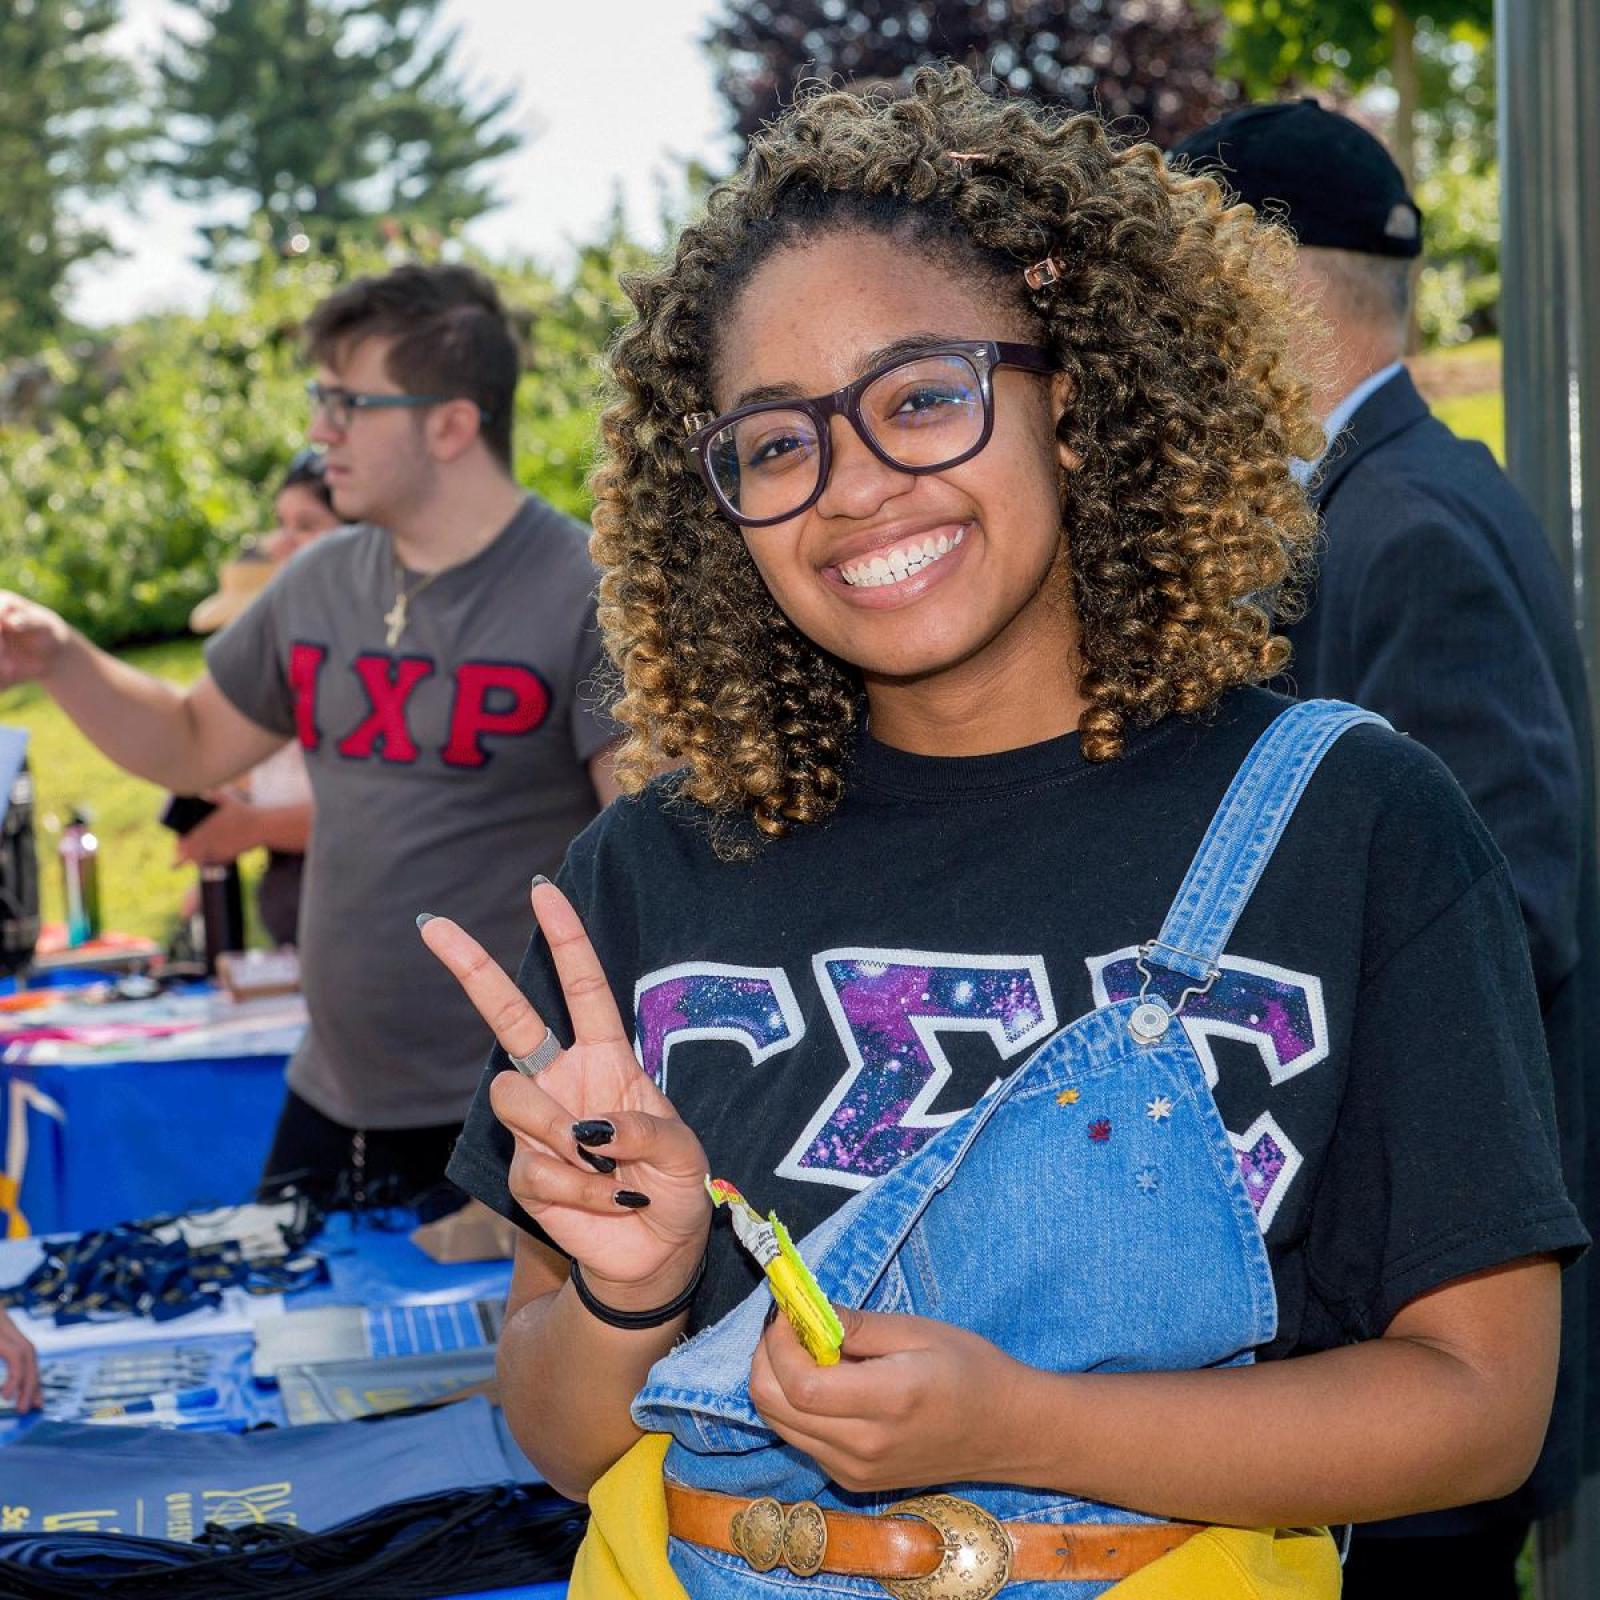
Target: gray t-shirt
{"type": "Point", "coordinates": [446, 772]}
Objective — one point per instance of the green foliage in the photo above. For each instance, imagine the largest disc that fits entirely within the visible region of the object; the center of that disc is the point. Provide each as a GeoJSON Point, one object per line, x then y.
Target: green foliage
{"type": "Point", "coordinates": [144, 461]}
{"type": "Point", "coordinates": [1271, 45]}
{"type": "Point", "coordinates": [326, 114]}
{"type": "Point", "coordinates": [61, 139]}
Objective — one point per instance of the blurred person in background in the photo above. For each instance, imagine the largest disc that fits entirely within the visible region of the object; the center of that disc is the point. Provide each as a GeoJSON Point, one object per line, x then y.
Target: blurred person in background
{"type": "Point", "coordinates": [1439, 603]}
{"type": "Point", "coordinates": [434, 663]}
{"type": "Point", "coordinates": [270, 807]}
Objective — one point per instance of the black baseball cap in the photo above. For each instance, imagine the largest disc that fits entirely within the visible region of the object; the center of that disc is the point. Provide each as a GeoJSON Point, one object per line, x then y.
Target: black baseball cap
{"type": "Point", "coordinates": [1323, 176]}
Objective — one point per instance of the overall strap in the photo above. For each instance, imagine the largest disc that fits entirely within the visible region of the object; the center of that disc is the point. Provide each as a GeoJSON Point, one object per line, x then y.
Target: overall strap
{"type": "Point", "coordinates": [1243, 834]}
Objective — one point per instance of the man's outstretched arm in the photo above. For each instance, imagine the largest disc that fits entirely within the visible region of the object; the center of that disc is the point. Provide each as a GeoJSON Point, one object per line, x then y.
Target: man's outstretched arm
{"type": "Point", "coordinates": [185, 740]}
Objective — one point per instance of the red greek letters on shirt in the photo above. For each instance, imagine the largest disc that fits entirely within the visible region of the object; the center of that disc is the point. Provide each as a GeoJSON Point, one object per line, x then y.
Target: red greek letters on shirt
{"type": "Point", "coordinates": [305, 662]}
{"type": "Point", "coordinates": [389, 684]}
{"type": "Point", "coordinates": [490, 699]}
{"type": "Point", "coordinates": [524, 703]}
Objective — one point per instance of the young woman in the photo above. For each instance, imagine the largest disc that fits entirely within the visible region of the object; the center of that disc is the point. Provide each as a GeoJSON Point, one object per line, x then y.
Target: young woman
{"type": "Point", "coordinates": [271, 805]}
{"type": "Point", "coordinates": [947, 475]}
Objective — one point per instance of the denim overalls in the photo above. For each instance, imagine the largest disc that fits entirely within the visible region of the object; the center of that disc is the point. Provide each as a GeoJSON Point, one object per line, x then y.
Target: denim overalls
{"type": "Point", "coordinates": [1087, 1215]}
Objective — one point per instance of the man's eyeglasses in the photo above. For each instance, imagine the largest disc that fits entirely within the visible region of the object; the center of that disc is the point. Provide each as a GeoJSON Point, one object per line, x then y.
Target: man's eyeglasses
{"type": "Point", "coordinates": [919, 413]}
{"type": "Point", "coordinates": [338, 407]}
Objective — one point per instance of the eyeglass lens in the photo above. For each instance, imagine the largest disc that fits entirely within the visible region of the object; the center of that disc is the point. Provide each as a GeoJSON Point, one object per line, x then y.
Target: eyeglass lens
{"type": "Point", "coordinates": [333, 405]}
{"type": "Point", "coordinates": [921, 414]}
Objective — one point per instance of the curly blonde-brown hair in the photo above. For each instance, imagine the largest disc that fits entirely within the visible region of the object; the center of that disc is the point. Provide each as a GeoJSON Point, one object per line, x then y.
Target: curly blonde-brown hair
{"type": "Point", "coordinates": [1172, 319]}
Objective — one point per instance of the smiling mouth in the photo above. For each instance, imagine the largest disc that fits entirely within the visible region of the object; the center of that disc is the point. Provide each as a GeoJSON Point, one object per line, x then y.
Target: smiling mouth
{"type": "Point", "coordinates": [900, 563]}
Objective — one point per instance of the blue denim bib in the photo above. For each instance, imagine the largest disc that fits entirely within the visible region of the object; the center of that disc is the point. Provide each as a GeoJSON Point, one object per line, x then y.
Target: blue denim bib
{"type": "Point", "coordinates": [1087, 1215]}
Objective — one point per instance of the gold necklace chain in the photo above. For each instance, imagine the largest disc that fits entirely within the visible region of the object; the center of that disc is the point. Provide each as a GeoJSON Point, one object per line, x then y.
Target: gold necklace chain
{"type": "Point", "coordinates": [395, 617]}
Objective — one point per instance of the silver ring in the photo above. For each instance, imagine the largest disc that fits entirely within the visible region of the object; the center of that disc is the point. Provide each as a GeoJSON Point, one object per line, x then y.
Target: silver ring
{"type": "Point", "coordinates": [538, 1058]}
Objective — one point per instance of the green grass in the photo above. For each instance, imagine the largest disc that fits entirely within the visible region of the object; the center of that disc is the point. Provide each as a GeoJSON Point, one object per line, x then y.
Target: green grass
{"type": "Point", "coordinates": [1477, 416]}
{"type": "Point", "coordinates": [1462, 384]}
{"type": "Point", "coordinates": [139, 886]}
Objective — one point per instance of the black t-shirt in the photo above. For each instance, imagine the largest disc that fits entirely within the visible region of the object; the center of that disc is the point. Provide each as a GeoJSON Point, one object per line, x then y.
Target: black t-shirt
{"type": "Point", "coordinates": [1394, 1130]}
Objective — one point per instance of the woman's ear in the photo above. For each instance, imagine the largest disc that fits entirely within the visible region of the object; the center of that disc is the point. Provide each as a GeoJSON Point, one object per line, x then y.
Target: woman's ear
{"type": "Point", "coordinates": [1062, 393]}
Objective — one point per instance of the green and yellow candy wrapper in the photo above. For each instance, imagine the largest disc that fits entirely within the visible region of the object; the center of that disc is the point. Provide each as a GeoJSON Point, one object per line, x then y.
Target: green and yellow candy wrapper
{"type": "Point", "coordinates": [816, 1325]}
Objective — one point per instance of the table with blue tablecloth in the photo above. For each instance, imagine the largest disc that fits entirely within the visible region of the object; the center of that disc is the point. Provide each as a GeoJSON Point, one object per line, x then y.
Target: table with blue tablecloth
{"type": "Point", "coordinates": [371, 1261]}
{"type": "Point", "coordinates": [110, 1111]}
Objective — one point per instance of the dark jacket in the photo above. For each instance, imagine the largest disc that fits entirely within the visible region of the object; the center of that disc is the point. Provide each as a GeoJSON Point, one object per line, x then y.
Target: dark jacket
{"type": "Point", "coordinates": [1439, 603]}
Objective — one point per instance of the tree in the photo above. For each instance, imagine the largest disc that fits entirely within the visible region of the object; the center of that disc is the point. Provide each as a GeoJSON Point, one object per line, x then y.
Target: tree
{"type": "Point", "coordinates": [1352, 43]}
{"type": "Point", "coordinates": [327, 113]}
{"type": "Point", "coordinates": [1150, 60]}
{"type": "Point", "coordinates": [62, 139]}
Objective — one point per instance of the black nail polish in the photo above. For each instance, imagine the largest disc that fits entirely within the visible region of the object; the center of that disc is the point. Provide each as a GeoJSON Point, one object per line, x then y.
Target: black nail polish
{"type": "Point", "coordinates": [597, 1131]}
{"type": "Point", "coordinates": [538, 878]}
{"type": "Point", "coordinates": [630, 1199]}
{"type": "Point", "coordinates": [772, 1312]}
{"type": "Point", "coordinates": [599, 1163]}
{"type": "Point", "coordinates": [424, 918]}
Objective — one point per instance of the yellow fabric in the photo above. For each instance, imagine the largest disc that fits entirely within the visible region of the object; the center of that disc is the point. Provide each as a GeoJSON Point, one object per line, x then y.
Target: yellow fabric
{"type": "Point", "coordinates": [1240, 1564]}
{"type": "Point", "coordinates": [624, 1555]}
{"type": "Point", "coordinates": [16, 1225]}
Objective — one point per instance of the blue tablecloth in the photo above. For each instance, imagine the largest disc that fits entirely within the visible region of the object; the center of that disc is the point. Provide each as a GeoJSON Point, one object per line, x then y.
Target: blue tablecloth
{"type": "Point", "coordinates": [367, 1266]}
{"type": "Point", "coordinates": [92, 1143]}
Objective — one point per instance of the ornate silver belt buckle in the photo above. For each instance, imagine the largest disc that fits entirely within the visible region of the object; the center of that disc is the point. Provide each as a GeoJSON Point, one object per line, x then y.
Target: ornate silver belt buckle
{"type": "Point", "coordinates": [977, 1551]}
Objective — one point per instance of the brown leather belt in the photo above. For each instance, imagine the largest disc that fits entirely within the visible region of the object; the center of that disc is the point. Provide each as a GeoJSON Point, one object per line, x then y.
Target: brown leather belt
{"type": "Point", "coordinates": [932, 1547]}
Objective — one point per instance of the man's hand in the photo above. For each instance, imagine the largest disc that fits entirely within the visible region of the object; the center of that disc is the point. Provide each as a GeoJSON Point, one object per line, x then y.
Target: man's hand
{"type": "Point", "coordinates": [913, 1402]}
{"type": "Point", "coordinates": [224, 835]}
{"type": "Point", "coordinates": [31, 637]}
{"type": "Point", "coordinates": [21, 1385]}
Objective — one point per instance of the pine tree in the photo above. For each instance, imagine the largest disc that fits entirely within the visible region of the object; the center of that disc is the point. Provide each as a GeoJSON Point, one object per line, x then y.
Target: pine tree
{"type": "Point", "coordinates": [1150, 60]}
{"type": "Point", "coordinates": [65, 135]}
{"type": "Point", "coordinates": [325, 114]}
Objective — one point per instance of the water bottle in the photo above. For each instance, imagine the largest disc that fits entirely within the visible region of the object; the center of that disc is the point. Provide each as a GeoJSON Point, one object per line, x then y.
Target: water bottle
{"type": "Point", "coordinates": [19, 878]}
{"type": "Point", "coordinates": [221, 911]}
{"type": "Point", "coordinates": [79, 852]}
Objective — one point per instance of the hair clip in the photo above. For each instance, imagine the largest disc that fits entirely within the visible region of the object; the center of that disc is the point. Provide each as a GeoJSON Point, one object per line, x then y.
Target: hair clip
{"type": "Point", "coordinates": [693, 421]}
{"type": "Point", "coordinates": [1043, 273]}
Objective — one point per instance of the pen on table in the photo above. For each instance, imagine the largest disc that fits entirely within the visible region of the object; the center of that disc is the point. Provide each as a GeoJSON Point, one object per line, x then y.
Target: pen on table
{"type": "Point", "coordinates": [172, 1400]}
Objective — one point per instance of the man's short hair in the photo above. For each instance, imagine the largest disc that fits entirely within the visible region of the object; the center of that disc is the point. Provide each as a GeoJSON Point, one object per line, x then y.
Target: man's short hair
{"type": "Point", "coordinates": [1370, 290]}
{"type": "Point", "coordinates": [451, 338]}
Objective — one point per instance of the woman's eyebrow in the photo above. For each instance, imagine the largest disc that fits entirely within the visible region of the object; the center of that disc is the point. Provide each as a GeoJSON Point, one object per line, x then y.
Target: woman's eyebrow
{"type": "Point", "coordinates": [907, 344]}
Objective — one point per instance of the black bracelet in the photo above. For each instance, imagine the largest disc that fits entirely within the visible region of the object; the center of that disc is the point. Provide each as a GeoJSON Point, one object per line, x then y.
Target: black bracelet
{"type": "Point", "coordinates": [631, 1320]}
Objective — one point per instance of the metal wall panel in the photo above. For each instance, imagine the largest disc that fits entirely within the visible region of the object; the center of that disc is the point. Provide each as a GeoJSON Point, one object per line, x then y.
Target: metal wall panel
{"type": "Point", "coordinates": [1549, 92]}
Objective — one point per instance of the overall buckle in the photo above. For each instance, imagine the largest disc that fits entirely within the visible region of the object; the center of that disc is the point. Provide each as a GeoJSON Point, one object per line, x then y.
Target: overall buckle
{"type": "Point", "coordinates": [766, 1532]}
{"type": "Point", "coordinates": [977, 1551]}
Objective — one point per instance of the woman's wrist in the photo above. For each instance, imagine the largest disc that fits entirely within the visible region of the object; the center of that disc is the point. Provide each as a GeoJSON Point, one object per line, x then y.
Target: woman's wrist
{"type": "Point", "coordinates": [633, 1321]}
{"type": "Point", "coordinates": [636, 1297]}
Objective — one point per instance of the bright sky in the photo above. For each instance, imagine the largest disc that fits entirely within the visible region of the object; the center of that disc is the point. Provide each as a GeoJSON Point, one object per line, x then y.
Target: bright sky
{"type": "Point", "coordinates": [614, 94]}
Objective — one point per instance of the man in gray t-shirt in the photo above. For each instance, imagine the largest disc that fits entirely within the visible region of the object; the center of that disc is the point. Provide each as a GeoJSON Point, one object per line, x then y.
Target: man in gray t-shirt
{"type": "Point", "coordinates": [446, 772]}
{"type": "Point", "coordinates": [433, 662]}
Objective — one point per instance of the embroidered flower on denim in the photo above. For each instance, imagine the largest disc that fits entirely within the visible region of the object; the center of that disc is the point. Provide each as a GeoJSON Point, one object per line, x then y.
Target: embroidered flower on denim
{"type": "Point", "coordinates": [1067, 1097]}
{"type": "Point", "coordinates": [1147, 1180]}
{"type": "Point", "coordinates": [1159, 1109]}
{"type": "Point", "coordinates": [1100, 1129]}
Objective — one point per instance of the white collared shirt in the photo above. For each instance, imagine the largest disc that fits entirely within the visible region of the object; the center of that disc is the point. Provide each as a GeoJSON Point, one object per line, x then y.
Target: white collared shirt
{"type": "Point", "coordinates": [1336, 420]}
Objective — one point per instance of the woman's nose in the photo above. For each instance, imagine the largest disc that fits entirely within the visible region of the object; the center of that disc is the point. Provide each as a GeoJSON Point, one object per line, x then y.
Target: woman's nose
{"type": "Point", "coordinates": [859, 480]}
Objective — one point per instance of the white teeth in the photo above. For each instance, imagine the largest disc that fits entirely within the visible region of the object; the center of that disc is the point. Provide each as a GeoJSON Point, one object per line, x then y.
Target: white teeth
{"type": "Point", "coordinates": [901, 562]}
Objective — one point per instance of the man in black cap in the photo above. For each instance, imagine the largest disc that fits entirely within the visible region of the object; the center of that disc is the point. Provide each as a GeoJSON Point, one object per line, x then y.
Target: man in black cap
{"type": "Point", "coordinates": [1440, 604]}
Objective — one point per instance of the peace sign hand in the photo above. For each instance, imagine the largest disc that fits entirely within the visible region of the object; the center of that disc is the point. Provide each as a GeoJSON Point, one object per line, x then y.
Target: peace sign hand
{"type": "Point", "coordinates": [634, 1255]}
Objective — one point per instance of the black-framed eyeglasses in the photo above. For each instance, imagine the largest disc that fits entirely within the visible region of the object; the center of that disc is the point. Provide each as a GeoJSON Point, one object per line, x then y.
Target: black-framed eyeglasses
{"type": "Point", "coordinates": [338, 406]}
{"type": "Point", "coordinates": [921, 412]}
